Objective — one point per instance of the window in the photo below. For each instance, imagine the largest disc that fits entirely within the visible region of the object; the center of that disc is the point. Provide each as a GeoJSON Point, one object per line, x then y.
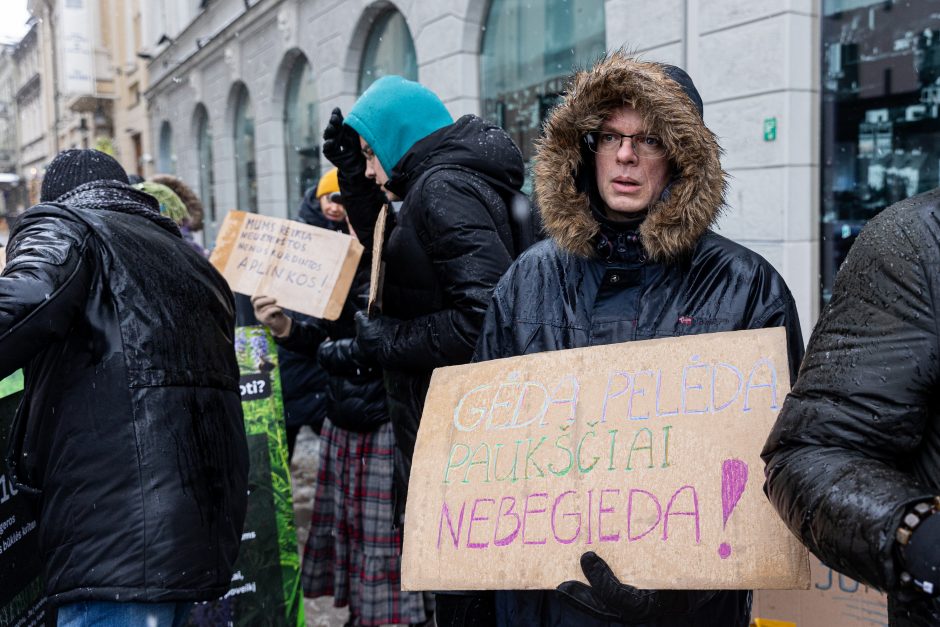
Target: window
{"type": "Point", "coordinates": [206, 179]}
{"type": "Point", "coordinates": [301, 134]}
{"type": "Point", "coordinates": [529, 49]}
{"type": "Point", "coordinates": [389, 50]}
{"type": "Point", "coordinates": [880, 114]}
{"type": "Point", "coordinates": [166, 160]}
{"type": "Point", "coordinates": [246, 176]}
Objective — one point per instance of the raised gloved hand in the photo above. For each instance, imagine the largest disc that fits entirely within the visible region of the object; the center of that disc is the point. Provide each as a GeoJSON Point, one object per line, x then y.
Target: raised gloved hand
{"type": "Point", "coordinates": [270, 314]}
{"type": "Point", "coordinates": [341, 145]}
{"type": "Point", "coordinates": [608, 599]}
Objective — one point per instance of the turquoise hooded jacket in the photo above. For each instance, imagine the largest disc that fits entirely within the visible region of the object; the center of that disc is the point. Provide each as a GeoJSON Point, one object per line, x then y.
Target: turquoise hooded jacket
{"type": "Point", "coordinates": [394, 114]}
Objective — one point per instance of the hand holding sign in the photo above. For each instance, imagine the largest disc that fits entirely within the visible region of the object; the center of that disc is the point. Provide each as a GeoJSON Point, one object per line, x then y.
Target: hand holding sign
{"type": "Point", "coordinates": [270, 314]}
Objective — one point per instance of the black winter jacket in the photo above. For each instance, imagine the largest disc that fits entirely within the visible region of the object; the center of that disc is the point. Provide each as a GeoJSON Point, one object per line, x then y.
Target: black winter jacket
{"type": "Point", "coordinates": [858, 439]}
{"type": "Point", "coordinates": [131, 424]}
{"type": "Point", "coordinates": [597, 282]}
{"type": "Point", "coordinates": [444, 252]}
{"type": "Point", "coordinates": [356, 395]}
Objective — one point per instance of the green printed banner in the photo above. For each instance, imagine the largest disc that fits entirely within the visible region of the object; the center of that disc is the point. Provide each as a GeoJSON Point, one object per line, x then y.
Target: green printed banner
{"type": "Point", "coordinates": [266, 585]}
{"type": "Point", "coordinates": [647, 453]}
{"type": "Point", "coordinates": [22, 603]}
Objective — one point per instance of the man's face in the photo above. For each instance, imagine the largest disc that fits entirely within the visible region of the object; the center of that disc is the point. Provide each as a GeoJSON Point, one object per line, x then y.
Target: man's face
{"type": "Point", "coordinates": [374, 168]}
{"type": "Point", "coordinates": [629, 183]}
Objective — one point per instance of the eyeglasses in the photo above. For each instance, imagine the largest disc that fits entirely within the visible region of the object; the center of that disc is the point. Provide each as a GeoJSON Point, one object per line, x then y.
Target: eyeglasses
{"type": "Point", "coordinates": [609, 142]}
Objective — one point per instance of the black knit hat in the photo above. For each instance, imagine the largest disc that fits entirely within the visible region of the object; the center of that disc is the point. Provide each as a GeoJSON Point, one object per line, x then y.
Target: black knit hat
{"type": "Point", "coordinates": [72, 168]}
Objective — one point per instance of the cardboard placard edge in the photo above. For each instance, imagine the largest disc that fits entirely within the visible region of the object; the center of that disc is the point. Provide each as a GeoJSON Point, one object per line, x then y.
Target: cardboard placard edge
{"type": "Point", "coordinates": [334, 306]}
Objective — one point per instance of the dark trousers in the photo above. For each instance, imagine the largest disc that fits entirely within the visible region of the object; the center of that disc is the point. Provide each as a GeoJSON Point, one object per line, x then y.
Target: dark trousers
{"type": "Point", "coordinates": [467, 609]}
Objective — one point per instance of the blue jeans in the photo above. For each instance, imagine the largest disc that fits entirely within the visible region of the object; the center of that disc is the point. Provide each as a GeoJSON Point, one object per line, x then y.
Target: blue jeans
{"type": "Point", "coordinates": [111, 614]}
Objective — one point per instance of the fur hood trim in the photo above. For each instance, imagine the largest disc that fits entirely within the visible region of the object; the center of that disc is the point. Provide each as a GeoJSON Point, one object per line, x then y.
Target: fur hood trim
{"type": "Point", "coordinates": [694, 200]}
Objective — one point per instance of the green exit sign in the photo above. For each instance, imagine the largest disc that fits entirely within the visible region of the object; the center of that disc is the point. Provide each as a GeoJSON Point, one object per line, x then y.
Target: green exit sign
{"type": "Point", "coordinates": [770, 129]}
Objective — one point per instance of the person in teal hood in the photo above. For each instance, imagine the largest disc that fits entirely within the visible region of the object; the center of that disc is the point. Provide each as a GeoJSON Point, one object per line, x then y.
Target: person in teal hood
{"type": "Point", "coordinates": [444, 249]}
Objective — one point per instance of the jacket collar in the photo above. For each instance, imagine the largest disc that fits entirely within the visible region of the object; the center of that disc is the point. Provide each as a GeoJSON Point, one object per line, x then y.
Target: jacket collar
{"type": "Point", "coordinates": [118, 197]}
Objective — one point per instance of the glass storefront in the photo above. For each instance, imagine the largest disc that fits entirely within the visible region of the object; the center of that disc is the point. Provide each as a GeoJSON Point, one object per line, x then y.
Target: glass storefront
{"type": "Point", "coordinates": [389, 50]}
{"type": "Point", "coordinates": [302, 137]}
{"type": "Point", "coordinates": [529, 49]}
{"type": "Point", "coordinates": [880, 114]}
{"type": "Point", "coordinates": [246, 176]}
{"type": "Point", "coordinates": [206, 177]}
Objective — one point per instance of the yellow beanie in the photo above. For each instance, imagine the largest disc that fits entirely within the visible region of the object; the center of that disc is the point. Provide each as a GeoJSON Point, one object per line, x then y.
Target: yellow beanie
{"type": "Point", "coordinates": [328, 184]}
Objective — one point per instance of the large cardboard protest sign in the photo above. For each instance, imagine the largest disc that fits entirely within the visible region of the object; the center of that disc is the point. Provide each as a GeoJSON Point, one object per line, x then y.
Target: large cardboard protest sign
{"type": "Point", "coordinates": [22, 602]}
{"type": "Point", "coordinates": [266, 585]}
{"type": "Point", "coordinates": [308, 269]}
{"type": "Point", "coordinates": [647, 453]}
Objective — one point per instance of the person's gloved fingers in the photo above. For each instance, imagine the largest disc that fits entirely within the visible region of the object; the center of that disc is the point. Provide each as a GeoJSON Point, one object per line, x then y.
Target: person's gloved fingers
{"type": "Point", "coordinates": [334, 126]}
{"type": "Point", "coordinates": [362, 320]}
{"type": "Point", "coordinates": [583, 597]}
{"type": "Point", "coordinates": [608, 587]}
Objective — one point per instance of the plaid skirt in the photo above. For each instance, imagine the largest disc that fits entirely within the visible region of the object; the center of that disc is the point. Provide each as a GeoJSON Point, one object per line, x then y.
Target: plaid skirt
{"type": "Point", "coordinates": [353, 551]}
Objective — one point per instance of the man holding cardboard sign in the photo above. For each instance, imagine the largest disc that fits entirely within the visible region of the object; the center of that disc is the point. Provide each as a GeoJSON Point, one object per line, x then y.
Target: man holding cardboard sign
{"type": "Point", "coordinates": [631, 257]}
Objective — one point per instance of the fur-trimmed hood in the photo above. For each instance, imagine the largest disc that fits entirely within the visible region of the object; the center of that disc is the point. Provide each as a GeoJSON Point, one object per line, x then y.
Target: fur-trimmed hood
{"type": "Point", "coordinates": [696, 195]}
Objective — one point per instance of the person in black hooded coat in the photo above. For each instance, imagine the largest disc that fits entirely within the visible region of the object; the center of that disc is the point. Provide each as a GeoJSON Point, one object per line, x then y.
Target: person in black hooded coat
{"type": "Point", "coordinates": [353, 549]}
{"type": "Point", "coordinates": [630, 256]}
{"type": "Point", "coordinates": [444, 249]}
{"type": "Point", "coordinates": [130, 433]}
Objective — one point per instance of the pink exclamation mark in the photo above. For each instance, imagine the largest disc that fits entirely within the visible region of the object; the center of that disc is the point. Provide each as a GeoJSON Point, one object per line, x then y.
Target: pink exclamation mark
{"type": "Point", "coordinates": [733, 480]}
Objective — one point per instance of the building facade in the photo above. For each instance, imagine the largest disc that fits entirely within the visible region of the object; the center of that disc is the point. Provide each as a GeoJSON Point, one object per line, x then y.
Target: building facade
{"type": "Point", "coordinates": [34, 127]}
{"type": "Point", "coordinates": [11, 200]}
{"type": "Point", "coordinates": [826, 109]}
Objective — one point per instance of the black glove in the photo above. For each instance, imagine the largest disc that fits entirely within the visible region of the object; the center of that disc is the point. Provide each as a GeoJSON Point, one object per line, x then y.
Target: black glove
{"type": "Point", "coordinates": [341, 145]}
{"type": "Point", "coordinates": [922, 555]}
{"type": "Point", "coordinates": [373, 334]}
{"type": "Point", "coordinates": [608, 599]}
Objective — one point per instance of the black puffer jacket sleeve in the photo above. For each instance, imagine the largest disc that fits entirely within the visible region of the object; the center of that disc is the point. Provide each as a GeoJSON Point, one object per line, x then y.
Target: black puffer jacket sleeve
{"type": "Point", "coordinates": [495, 341]}
{"type": "Point", "coordinates": [838, 458]}
{"type": "Point", "coordinates": [343, 357]}
{"type": "Point", "coordinates": [304, 338]}
{"type": "Point", "coordinates": [43, 286]}
{"type": "Point", "coordinates": [469, 257]}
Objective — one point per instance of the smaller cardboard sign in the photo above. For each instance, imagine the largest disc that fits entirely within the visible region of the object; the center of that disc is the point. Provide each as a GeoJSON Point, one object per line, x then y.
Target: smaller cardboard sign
{"type": "Point", "coordinates": [378, 266]}
{"type": "Point", "coordinates": [306, 268]}
{"type": "Point", "coordinates": [647, 453]}
{"type": "Point", "coordinates": [833, 599]}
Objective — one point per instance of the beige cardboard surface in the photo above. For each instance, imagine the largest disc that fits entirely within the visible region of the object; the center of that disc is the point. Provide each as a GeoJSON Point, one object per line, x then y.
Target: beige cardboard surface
{"type": "Point", "coordinates": [647, 453]}
{"type": "Point", "coordinates": [306, 268]}
{"type": "Point", "coordinates": [832, 599]}
{"type": "Point", "coordinates": [378, 276]}
{"type": "Point", "coordinates": [3, 258]}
